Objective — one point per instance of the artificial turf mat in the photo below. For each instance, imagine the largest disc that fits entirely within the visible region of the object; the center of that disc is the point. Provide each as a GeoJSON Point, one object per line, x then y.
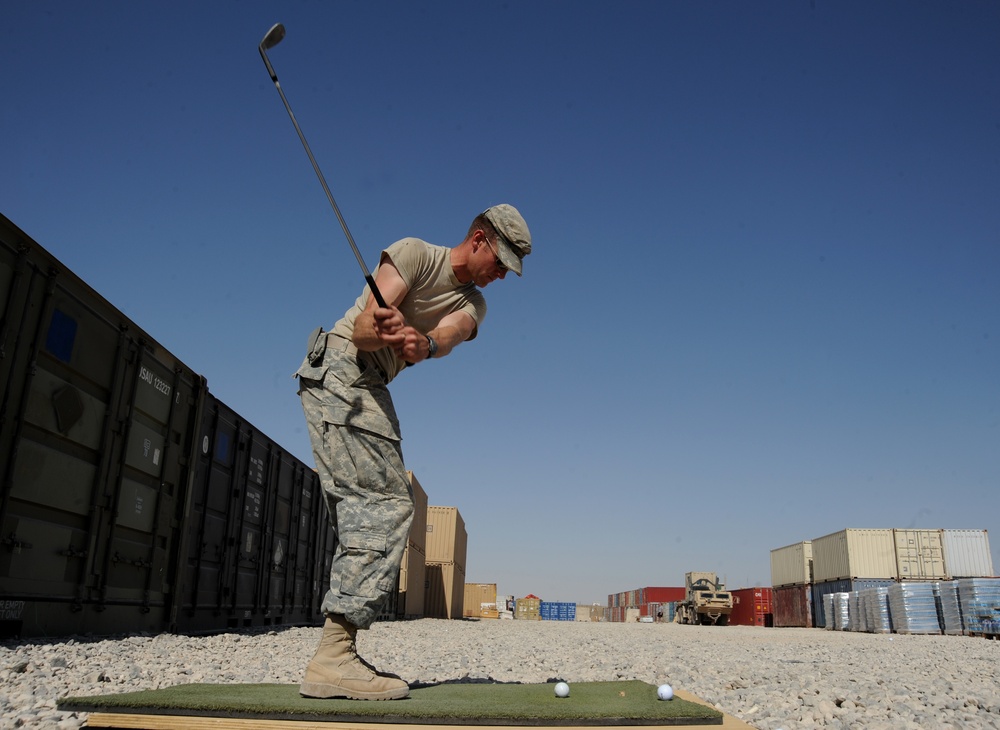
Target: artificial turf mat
{"type": "Point", "coordinates": [589, 703]}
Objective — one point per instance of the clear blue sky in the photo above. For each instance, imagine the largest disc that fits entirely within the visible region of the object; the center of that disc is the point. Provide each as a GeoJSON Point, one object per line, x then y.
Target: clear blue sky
{"type": "Point", "coordinates": [764, 299]}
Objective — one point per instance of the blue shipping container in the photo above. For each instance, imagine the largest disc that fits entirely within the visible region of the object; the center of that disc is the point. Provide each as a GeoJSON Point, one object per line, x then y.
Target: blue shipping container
{"type": "Point", "coordinates": [558, 611]}
{"type": "Point", "coordinates": [839, 586]}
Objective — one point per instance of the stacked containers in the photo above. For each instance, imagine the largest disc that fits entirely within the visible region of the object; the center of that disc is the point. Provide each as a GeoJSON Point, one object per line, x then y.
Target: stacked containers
{"type": "Point", "coordinates": [447, 543]}
{"type": "Point", "coordinates": [791, 578]}
{"type": "Point", "coordinates": [851, 560]}
{"type": "Point", "coordinates": [646, 601]}
{"type": "Point", "coordinates": [413, 570]}
{"type": "Point", "coordinates": [860, 559]}
{"type": "Point", "coordinates": [969, 561]}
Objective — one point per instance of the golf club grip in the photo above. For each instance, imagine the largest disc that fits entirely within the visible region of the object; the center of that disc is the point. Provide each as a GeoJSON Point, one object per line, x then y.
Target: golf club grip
{"type": "Point", "coordinates": [375, 292]}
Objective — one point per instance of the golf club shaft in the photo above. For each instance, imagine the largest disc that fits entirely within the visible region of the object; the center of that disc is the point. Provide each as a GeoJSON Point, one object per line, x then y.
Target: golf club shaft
{"type": "Point", "coordinates": [319, 173]}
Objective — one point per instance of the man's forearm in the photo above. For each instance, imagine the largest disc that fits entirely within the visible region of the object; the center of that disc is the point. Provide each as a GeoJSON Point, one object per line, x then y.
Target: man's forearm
{"type": "Point", "coordinates": [447, 339]}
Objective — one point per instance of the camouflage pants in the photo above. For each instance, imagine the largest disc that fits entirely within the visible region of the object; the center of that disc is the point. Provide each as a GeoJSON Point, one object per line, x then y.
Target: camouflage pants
{"type": "Point", "coordinates": [368, 498]}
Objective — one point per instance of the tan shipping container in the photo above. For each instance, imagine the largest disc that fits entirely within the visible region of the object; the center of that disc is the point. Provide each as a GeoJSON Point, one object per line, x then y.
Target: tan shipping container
{"type": "Point", "coordinates": [792, 565]}
{"type": "Point", "coordinates": [412, 583]}
{"type": "Point", "coordinates": [528, 609]}
{"type": "Point", "coordinates": [479, 597]}
{"type": "Point", "coordinates": [418, 529]}
{"type": "Point", "coordinates": [447, 539]}
{"type": "Point", "coordinates": [444, 590]}
{"type": "Point", "coordinates": [589, 612]}
{"type": "Point", "coordinates": [855, 553]}
{"type": "Point", "coordinates": [920, 555]}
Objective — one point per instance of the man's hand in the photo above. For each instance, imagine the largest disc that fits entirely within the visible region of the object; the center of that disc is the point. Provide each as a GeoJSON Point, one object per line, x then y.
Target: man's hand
{"type": "Point", "coordinates": [414, 347]}
{"type": "Point", "coordinates": [390, 327]}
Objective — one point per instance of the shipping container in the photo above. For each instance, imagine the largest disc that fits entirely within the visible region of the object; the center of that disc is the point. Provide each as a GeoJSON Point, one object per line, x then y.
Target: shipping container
{"type": "Point", "coordinates": [253, 513]}
{"type": "Point", "coordinates": [131, 498]}
{"type": "Point", "coordinates": [839, 586]}
{"type": "Point", "coordinates": [447, 539]}
{"type": "Point", "coordinates": [97, 428]}
{"type": "Point", "coordinates": [967, 553]}
{"type": "Point", "coordinates": [919, 555]}
{"type": "Point", "coordinates": [752, 607]}
{"type": "Point", "coordinates": [854, 553]}
{"type": "Point", "coordinates": [590, 612]}
{"type": "Point", "coordinates": [663, 594]}
{"type": "Point", "coordinates": [412, 583]}
{"type": "Point", "coordinates": [647, 595]}
{"type": "Point", "coordinates": [557, 611]}
{"type": "Point", "coordinates": [418, 528]}
{"type": "Point", "coordinates": [793, 606]}
{"type": "Point", "coordinates": [528, 608]}
{"type": "Point", "coordinates": [444, 590]}
{"type": "Point", "coordinates": [480, 598]}
{"type": "Point", "coordinates": [792, 565]}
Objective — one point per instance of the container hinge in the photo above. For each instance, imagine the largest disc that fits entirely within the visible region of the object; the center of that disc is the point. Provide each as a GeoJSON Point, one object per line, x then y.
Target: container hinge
{"type": "Point", "coordinates": [73, 552]}
{"type": "Point", "coordinates": [15, 545]}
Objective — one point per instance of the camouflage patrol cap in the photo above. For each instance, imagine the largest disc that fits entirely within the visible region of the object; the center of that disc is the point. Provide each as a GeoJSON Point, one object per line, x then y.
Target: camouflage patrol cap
{"type": "Point", "coordinates": [514, 241]}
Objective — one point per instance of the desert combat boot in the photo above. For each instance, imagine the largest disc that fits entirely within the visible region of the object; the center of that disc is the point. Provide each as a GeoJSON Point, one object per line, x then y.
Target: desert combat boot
{"type": "Point", "coordinates": [336, 670]}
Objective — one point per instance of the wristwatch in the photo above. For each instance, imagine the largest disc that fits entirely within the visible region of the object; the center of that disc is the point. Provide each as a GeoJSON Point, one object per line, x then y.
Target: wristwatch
{"type": "Point", "coordinates": [432, 346]}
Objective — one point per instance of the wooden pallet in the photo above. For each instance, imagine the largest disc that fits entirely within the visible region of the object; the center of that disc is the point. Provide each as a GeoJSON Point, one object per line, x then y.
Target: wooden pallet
{"type": "Point", "coordinates": [985, 635]}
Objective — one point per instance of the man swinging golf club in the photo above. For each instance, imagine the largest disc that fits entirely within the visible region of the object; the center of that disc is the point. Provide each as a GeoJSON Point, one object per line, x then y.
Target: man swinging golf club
{"type": "Point", "coordinates": [433, 303]}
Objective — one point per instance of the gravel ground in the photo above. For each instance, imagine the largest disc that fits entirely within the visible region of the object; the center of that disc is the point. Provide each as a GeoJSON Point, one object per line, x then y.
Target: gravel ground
{"type": "Point", "coordinates": [769, 678]}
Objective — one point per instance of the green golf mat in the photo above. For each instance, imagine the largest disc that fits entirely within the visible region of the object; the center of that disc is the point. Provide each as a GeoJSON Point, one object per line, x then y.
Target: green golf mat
{"type": "Point", "coordinates": [589, 703]}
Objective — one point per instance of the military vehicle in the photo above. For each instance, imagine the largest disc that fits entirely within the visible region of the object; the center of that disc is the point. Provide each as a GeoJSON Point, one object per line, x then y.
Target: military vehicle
{"type": "Point", "coordinates": [706, 601]}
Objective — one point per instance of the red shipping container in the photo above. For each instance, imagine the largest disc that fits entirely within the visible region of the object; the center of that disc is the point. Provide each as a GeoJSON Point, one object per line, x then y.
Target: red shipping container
{"type": "Point", "coordinates": [752, 607]}
{"type": "Point", "coordinates": [793, 606]}
{"type": "Point", "coordinates": [664, 594]}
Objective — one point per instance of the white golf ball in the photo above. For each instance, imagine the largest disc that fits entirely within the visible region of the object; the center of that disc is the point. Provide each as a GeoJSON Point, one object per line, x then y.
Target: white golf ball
{"type": "Point", "coordinates": [665, 692]}
{"type": "Point", "coordinates": [562, 689]}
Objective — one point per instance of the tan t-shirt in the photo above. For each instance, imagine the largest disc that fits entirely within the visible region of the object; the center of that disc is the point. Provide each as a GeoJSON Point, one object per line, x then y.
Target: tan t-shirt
{"type": "Point", "coordinates": [433, 292]}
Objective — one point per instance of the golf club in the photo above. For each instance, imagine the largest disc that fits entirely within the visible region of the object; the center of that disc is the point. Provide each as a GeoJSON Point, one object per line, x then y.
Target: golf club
{"type": "Point", "coordinates": [272, 38]}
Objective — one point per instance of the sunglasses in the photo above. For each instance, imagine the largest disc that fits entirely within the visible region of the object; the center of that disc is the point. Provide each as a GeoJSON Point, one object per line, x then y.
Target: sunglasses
{"type": "Point", "coordinates": [501, 266]}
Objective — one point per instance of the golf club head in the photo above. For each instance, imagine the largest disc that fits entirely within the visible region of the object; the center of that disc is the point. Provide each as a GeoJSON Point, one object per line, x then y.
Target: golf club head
{"type": "Point", "coordinates": [273, 37]}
